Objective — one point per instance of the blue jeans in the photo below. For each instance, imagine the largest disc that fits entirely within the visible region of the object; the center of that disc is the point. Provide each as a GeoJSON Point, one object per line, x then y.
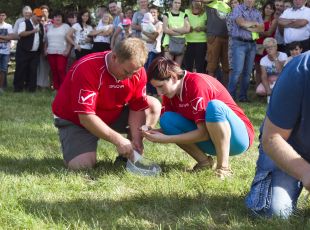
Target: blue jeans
{"type": "Point", "coordinates": [243, 54]}
{"type": "Point", "coordinates": [4, 60]}
{"type": "Point", "coordinates": [273, 192]}
{"type": "Point", "coordinates": [217, 111]}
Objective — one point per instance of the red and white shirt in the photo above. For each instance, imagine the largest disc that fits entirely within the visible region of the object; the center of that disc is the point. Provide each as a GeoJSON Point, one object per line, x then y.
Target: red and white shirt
{"type": "Point", "coordinates": [196, 92]}
{"type": "Point", "coordinates": [89, 88]}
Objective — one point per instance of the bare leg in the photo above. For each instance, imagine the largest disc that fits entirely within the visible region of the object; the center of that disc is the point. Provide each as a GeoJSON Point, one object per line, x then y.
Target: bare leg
{"type": "Point", "coordinates": [178, 59]}
{"type": "Point", "coordinates": [198, 155]}
{"type": "Point", "coordinates": [83, 161]}
{"type": "Point", "coordinates": [220, 133]}
{"type": "Point", "coordinates": [153, 112]}
{"type": "Point", "coordinates": [168, 55]}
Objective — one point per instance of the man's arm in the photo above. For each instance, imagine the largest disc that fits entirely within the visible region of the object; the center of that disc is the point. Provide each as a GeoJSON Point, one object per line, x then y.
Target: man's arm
{"type": "Point", "coordinates": [275, 144]}
{"type": "Point", "coordinates": [27, 33]}
{"type": "Point", "coordinates": [292, 23]}
{"type": "Point", "coordinates": [136, 120]}
{"type": "Point", "coordinates": [251, 26]}
{"type": "Point", "coordinates": [101, 130]}
{"type": "Point", "coordinates": [9, 37]}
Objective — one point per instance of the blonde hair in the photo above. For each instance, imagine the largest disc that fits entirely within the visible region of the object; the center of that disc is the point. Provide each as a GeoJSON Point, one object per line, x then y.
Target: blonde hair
{"type": "Point", "coordinates": [110, 17]}
{"type": "Point", "coordinates": [131, 49]}
{"type": "Point", "coordinates": [270, 41]}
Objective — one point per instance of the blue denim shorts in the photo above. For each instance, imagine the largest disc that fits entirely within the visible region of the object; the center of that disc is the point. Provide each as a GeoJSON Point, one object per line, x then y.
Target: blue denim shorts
{"type": "Point", "coordinates": [4, 60]}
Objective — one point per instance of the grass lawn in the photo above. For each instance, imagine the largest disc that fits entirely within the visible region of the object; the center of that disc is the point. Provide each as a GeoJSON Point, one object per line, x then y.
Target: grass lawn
{"type": "Point", "coordinates": [38, 192]}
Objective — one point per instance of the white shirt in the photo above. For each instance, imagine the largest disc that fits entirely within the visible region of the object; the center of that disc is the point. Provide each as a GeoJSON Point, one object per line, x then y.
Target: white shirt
{"type": "Point", "coordinates": [56, 38]}
{"type": "Point", "coordinates": [17, 23]}
{"type": "Point", "coordinates": [5, 29]}
{"type": "Point", "coordinates": [81, 34]}
{"type": "Point", "coordinates": [297, 34]}
{"type": "Point", "coordinates": [100, 38]}
{"type": "Point", "coordinates": [36, 41]}
{"type": "Point", "coordinates": [270, 66]}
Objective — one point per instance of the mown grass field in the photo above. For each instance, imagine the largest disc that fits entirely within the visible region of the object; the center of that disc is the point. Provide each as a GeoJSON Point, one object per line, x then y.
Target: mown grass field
{"type": "Point", "coordinates": [38, 192]}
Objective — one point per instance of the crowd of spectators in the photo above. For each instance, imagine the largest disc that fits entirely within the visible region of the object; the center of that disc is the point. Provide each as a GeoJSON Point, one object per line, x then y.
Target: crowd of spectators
{"type": "Point", "coordinates": [224, 40]}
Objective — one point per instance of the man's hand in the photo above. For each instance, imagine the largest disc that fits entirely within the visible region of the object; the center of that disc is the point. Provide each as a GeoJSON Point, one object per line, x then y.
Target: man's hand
{"type": "Point", "coordinates": [125, 148]}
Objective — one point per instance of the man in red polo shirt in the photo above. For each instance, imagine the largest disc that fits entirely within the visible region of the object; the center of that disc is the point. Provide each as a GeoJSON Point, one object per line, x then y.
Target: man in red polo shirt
{"type": "Point", "coordinates": [102, 94]}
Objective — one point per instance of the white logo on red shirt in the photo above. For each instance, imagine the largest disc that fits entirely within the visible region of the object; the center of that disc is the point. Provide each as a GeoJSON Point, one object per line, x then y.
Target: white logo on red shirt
{"type": "Point", "coordinates": [116, 86]}
{"type": "Point", "coordinates": [197, 104]}
{"type": "Point", "coordinates": [86, 97]}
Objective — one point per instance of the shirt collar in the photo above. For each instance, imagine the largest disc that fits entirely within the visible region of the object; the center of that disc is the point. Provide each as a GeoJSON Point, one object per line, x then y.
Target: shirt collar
{"type": "Point", "coordinates": [296, 9]}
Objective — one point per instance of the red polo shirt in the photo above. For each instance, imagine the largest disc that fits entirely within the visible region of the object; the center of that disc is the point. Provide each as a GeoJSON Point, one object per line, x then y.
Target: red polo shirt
{"type": "Point", "coordinates": [89, 88]}
{"type": "Point", "coordinates": [196, 92]}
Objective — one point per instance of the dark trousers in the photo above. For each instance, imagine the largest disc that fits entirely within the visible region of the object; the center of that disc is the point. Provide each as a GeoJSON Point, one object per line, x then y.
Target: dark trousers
{"type": "Point", "coordinates": [195, 53]}
{"type": "Point", "coordinates": [100, 47]}
{"type": "Point", "coordinates": [26, 70]}
{"type": "Point", "coordinates": [82, 53]}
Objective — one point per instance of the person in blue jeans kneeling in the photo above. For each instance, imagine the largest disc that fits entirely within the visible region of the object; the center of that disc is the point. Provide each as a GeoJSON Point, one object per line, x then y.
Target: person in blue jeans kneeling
{"type": "Point", "coordinates": [283, 167]}
{"type": "Point", "coordinates": [198, 115]}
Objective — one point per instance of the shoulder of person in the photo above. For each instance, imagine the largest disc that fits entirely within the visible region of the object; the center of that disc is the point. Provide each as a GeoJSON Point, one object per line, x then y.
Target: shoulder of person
{"type": "Point", "coordinates": [76, 26]}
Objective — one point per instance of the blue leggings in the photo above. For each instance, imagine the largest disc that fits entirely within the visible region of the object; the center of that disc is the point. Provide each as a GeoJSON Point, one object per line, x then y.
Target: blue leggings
{"type": "Point", "coordinates": [173, 124]}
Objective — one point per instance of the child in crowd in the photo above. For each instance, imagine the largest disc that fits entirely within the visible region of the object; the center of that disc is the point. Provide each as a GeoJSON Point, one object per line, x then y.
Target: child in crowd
{"type": "Point", "coordinates": [102, 33]}
{"type": "Point", "coordinates": [295, 49]}
{"type": "Point", "coordinates": [123, 31]}
{"type": "Point", "coordinates": [147, 25]}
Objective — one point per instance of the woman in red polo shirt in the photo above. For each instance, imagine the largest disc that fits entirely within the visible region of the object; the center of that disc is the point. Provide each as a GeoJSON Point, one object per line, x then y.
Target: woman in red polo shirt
{"type": "Point", "coordinates": [199, 115]}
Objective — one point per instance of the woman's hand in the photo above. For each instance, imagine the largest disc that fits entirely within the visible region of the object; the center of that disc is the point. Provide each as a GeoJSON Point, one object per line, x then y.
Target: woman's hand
{"type": "Point", "coordinates": [155, 136]}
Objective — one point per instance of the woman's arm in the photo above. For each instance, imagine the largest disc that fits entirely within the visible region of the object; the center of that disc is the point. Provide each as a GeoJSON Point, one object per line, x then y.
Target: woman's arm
{"type": "Point", "coordinates": [271, 30]}
{"type": "Point", "coordinates": [197, 135]}
{"type": "Point", "coordinates": [166, 28]}
{"type": "Point", "coordinates": [70, 37]}
{"type": "Point", "coordinates": [185, 29]}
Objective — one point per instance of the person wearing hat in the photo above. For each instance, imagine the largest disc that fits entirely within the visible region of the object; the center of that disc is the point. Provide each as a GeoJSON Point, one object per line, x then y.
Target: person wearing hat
{"type": "Point", "coordinates": [28, 48]}
{"type": "Point", "coordinates": [123, 31]}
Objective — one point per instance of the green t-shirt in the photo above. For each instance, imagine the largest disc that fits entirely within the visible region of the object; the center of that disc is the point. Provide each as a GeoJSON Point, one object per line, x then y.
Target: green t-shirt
{"type": "Point", "coordinates": [196, 21]}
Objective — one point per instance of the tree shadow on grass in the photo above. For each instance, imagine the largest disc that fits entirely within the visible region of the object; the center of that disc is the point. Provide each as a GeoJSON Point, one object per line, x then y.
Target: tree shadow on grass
{"type": "Point", "coordinates": [158, 211]}
{"type": "Point", "coordinates": [18, 166]}
{"type": "Point", "coordinates": [45, 166]}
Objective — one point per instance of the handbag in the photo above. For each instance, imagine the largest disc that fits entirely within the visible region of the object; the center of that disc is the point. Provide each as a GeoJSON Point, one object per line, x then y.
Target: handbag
{"type": "Point", "coordinates": [176, 45]}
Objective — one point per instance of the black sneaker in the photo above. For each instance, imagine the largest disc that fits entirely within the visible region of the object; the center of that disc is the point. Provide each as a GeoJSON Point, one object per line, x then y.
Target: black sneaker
{"type": "Point", "coordinates": [120, 161]}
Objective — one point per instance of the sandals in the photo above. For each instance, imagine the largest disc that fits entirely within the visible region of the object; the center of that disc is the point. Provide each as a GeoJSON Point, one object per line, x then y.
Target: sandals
{"type": "Point", "coordinates": [223, 173]}
{"type": "Point", "coordinates": [208, 164]}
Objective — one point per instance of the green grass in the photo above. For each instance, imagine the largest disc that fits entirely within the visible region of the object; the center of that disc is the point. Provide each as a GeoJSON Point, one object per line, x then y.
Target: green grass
{"type": "Point", "coordinates": [38, 192]}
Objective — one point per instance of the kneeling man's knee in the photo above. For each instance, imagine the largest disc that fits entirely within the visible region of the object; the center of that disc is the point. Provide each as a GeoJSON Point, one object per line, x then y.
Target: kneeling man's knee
{"type": "Point", "coordinates": [82, 161]}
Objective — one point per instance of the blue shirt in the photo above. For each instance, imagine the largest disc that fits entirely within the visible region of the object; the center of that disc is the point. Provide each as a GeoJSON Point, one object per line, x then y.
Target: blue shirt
{"type": "Point", "coordinates": [289, 106]}
{"type": "Point", "coordinates": [248, 14]}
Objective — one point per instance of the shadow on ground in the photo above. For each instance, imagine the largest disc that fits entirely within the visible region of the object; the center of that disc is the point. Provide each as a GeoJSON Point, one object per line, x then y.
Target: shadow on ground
{"type": "Point", "coordinates": [173, 211]}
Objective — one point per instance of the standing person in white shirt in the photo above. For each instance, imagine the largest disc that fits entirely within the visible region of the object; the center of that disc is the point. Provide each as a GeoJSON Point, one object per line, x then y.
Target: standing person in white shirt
{"type": "Point", "coordinates": [5, 31]}
{"type": "Point", "coordinates": [78, 35]}
{"type": "Point", "coordinates": [57, 48]}
{"type": "Point", "coordinates": [28, 49]}
{"type": "Point", "coordinates": [27, 13]}
{"type": "Point", "coordinates": [295, 22]}
{"type": "Point", "coordinates": [102, 33]}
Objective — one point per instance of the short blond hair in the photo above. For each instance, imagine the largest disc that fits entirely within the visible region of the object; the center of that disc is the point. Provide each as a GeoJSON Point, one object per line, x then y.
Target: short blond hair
{"type": "Point", "coordinates": [270, 41]}
{"type": "Point", "coordinates": [131, 49]}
